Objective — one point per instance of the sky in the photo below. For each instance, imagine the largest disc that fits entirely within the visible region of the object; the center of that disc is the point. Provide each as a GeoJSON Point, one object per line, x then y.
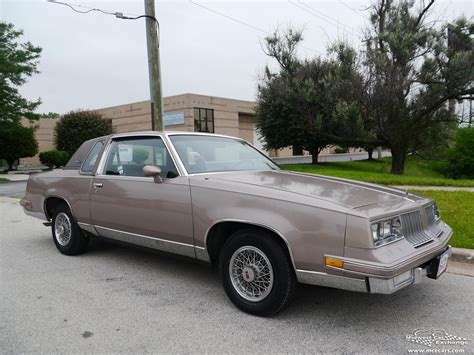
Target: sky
{"type": "Point", "coordinates": [93, 60]}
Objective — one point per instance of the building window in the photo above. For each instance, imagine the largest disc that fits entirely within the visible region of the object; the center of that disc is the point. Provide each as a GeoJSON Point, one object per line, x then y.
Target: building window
{"type": "Point", "coordinates": [203, 120]}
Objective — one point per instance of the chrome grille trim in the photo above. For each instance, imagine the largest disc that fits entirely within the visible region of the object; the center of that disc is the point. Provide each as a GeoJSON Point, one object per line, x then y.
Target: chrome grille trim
{"type": "Point", "coordinates": [413, 229]}
{"type": "Point", "coordinates": [432, 225]}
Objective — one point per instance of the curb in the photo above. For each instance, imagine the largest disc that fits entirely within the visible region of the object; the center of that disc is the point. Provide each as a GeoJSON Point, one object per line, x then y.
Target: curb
{"type": "Point", "coordinates": [9, 199]}
{"type": "Point", "coordinates": [433, 188]}
{"type": "Point", "coordinates": [463, 255]}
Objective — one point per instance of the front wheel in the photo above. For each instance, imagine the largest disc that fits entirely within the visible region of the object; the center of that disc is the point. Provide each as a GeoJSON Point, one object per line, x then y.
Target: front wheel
{"type": "Point", "coordinates": [256, 272]}
{"type": "Point", "coordinates": [67, 236]}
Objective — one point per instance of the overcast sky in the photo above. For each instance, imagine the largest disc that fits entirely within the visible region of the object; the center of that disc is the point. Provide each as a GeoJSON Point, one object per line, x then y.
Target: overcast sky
{"type": "Point", "coordinates": [95, 60]}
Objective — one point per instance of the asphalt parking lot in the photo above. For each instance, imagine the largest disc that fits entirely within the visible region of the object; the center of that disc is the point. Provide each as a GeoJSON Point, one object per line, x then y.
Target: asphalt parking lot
{"type": "Point", "coordinates": [15, 189]}
{"type": "Point", "coordinates": [117, 299]}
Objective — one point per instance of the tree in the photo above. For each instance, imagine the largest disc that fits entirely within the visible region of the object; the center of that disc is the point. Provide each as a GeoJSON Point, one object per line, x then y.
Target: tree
{"type": "Point", "coordinates": [413, 74]}
{"type": "Point", "coordinates": [18, 61]}
{"type": "Point", "coordinates": [312, 103]}
{"type": "Point", "coordinates": [16, 142]}
{"type": "Point", "coordinates": [460, 162]}
{"type": "Point", "coordinates": [76, 127]}
{"type": "Point", "coordinates": [49, 115]}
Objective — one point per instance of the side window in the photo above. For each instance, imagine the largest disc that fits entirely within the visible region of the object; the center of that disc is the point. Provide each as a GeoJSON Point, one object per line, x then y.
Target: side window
{"type": "Point", "coordinates": [91, 159]}
{"type": "Point", "coordinates": [128, 156]}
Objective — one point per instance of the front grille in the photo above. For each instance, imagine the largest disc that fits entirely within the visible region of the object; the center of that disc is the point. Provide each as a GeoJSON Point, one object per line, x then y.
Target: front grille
{"type": "Point", "coordinates": [413, 229]}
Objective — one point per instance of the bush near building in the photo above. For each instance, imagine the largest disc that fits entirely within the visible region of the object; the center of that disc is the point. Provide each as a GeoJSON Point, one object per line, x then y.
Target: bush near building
{"type": "Point", "coordinates": [340, 150]}
{"type": "Point", "coordinates": [76, 127]}
{"type": "Point", "coordinates": [54, 158]}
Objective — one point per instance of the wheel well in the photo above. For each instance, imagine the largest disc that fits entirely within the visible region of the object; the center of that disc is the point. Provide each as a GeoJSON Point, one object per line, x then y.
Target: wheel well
{"type": "Point", "coordinates": [51, 203]}
{"type": "Point", "coordinates": [220, 232]}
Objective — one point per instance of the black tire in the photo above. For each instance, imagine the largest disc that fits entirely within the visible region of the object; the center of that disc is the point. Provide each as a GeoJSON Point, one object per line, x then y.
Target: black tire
{"type": "Point", "coordinates": [284, 280]}
{"type": "Point", "coordinates": [77, 242]}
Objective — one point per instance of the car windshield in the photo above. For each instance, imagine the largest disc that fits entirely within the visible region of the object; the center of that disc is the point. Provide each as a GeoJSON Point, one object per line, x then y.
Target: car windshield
{"type": "Point", "coordinates": [202, 154]}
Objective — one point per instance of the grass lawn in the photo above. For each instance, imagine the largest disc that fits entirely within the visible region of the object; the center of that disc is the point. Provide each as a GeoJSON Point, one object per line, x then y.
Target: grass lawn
{"type": "Point", "coordinates": [3, 180]}
{"type": "Point", "coordinates": [418, 172]}
{"type": "Point", "coordinates": [457, 210]}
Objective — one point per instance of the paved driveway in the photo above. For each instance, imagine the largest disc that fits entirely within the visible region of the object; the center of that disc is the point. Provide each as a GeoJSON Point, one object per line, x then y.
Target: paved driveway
{"type": "Point", "coordinates": [13, 189]}
{"type": "Point", "coordinates": [120, 299]}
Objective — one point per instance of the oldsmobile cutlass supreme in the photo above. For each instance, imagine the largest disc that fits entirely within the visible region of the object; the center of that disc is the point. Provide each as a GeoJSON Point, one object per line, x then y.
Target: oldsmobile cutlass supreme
{"type": "Point", "coordinates": [220, 200]}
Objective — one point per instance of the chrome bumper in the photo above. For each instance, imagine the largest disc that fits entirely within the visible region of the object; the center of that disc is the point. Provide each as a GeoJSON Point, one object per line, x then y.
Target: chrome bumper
{"type": "Point", "coordinates": [26, 204]}
{"type": "Point", "coordinates": [369, 284]}
{"type": "Point", "coordinates": [407, 278]}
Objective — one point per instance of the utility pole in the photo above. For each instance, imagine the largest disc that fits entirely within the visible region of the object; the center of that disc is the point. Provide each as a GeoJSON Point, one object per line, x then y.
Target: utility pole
{"type": "Point", "coordinates": [154, 70]}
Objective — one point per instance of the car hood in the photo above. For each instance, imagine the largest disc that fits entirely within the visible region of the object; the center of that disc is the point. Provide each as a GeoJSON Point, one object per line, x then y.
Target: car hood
{"type": "Point", "coordinates": [364, 197]}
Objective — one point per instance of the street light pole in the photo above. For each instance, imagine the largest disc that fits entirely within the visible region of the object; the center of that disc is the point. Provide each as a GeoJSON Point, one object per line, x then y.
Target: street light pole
{"type": "Point", "coordinates": [154, 69]}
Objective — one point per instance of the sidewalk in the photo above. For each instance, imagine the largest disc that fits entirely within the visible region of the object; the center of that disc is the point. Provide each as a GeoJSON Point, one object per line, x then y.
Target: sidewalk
{"type": "Point", "coordinates": [15, 177]}
{"type": "Point", "coordinates": [438, 188]}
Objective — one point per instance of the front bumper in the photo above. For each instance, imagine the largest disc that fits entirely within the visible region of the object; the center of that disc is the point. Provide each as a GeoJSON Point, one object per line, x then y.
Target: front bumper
{"type": "Point", "coordinates": [410, 277]}
{"type": "Point", "coordinates": [374, 284]}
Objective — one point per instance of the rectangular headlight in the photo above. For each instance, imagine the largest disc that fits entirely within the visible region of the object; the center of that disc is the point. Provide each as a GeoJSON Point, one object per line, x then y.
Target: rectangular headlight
{"type": "Point", "coordinates": [433, 214]}
{"type": "Point", "coordinates": [386, 231]}
{"type": "Point", "coordinates": [436, 213]}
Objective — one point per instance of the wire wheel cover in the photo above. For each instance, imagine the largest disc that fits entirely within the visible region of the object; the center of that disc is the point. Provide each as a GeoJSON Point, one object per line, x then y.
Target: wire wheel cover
{"type": "Point", "coordinates": [251, 273]}
{"type": "Point", "coordinates": [62, 229]}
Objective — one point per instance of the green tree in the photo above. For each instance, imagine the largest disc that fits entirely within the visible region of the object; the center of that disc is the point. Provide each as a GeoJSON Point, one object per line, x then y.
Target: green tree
{"type": "Point", "coordinates": [49, 115]}
{"type": "Point", "coordinates": [312, 103]}
{"type": "Point", "coordinates": [76, 127]}
{"type": "Point", "coordinates": [16, 142]}
{"type": "Point", "coordinates": [18, 61]}
{"type": "Point", "coordinates": [460, 162]}
{"type": "Point", "coordinates": [413, 73]}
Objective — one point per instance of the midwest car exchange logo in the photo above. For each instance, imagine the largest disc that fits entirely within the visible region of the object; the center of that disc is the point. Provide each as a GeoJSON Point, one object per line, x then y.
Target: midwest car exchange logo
{"type": "Point", "coordinates": [432, 337]}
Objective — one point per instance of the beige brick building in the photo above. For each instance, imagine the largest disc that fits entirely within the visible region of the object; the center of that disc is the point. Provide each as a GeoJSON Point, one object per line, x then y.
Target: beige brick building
{"type": "Point", "coordinates": [186, 112]}
{"type": "Point", "coordinates": [190, 112]}
{"type": "Point", "coordinates": [44, 135]}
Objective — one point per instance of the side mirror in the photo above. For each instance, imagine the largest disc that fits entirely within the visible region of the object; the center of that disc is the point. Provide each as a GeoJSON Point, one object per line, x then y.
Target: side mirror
{"type": "Point", "coordinates": [154, 172]}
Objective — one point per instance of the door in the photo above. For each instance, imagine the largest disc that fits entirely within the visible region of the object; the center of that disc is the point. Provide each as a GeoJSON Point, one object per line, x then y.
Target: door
{"type": "Point", "coordinates": [129, 207]}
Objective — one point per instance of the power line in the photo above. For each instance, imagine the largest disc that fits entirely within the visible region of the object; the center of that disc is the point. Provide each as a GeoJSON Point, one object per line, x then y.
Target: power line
{"type": "Point", "coordinates": [228, 17]}
{"type": "Point", "coordinates": [87, 9]}
{"type": "Point", "coordinates": [245, 23]}
{"type": "Point", "coordinates": [358, 12]}
{"type": "Point", "coordinates": [117, 14]}
{"type": "Point", "coordinates": [311, 10]}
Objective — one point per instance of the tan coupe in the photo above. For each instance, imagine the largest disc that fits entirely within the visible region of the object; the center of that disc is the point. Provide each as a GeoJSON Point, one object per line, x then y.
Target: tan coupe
{"type": "Point", "coordinates": [218, 199]}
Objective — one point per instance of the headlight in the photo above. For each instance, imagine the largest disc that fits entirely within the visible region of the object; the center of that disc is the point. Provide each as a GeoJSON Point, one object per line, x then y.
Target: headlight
{"type": "Point", "coordinates": [432, 212]}
{"type": "Point", "coordinates": [386, 231]}
{"type": "Point", "coordinates": [436, 214]}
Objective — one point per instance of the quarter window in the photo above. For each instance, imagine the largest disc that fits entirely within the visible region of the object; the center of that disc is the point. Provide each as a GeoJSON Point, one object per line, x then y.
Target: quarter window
{"type": "Point", "coordinates": [128, 156]}
{"type": "Point", "coordinates": [203, 120]}
{"type": "Point", "coordinates": [91, 160]}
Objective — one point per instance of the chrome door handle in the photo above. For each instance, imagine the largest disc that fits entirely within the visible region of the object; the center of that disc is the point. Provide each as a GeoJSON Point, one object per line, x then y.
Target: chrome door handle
{"type": "Point", "coordinates": [98, 184]}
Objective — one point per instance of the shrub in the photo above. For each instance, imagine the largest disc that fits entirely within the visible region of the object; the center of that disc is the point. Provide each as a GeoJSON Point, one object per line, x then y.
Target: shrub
{"type": "Point", "coordinates": [460, 163]}
{"type": "Point", "coordinates": [54, 158]}
{"type": "Point", "coordinates": [76, 127]}
{"type": "Point", "coordinates": [340, 150]}
{"type": "Point", "coordinates": [16, 142]}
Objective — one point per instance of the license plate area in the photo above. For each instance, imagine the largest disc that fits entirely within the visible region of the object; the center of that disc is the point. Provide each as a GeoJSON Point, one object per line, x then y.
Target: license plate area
{"type": "Point", "coordinates": [439, 265]}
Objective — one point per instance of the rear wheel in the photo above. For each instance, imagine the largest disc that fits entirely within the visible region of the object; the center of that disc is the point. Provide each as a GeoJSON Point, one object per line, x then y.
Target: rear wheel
{"type": "Point", "coordinates": [256, 272]}
{"type": "Point", "coordinates": [67, 236]}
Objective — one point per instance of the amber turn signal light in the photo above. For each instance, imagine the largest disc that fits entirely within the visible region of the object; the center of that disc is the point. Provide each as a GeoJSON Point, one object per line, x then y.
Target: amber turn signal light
{"type": "Point", "coordinates": [334, 262]}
